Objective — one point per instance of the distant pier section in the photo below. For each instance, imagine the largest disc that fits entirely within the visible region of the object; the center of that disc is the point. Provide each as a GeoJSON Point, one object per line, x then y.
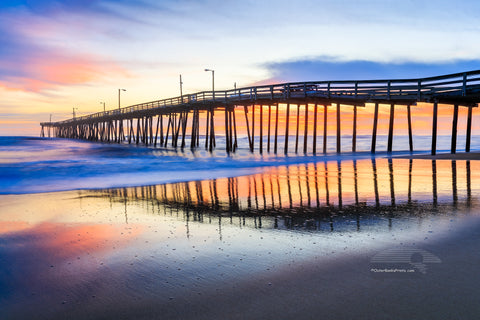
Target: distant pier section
{"type": "Point", "coordinates": [176, 122]}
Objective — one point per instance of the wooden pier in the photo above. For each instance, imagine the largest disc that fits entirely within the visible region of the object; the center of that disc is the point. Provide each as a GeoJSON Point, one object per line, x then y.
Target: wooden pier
{"type": "Point", "coordinates": [172, 122]}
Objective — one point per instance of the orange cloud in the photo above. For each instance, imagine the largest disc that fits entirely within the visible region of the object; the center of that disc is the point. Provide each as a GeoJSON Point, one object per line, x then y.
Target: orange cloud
{"type": "Point", "coordinates": [47, 69]}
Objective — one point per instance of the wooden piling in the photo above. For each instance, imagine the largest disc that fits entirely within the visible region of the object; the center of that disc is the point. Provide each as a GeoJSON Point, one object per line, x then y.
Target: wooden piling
{"type": "Point", "coordinates": [169, 124]}
{"type": "Point", "coordinates": [339, 137]}
{"type": "Point", "coordinates": [374, 133]}
{"type": "Point", "coordinates": [305, 132]}
{"type": "Point", "coordinates": [269, 123]}
{"type": "Point", "coordinates": [245, 108]}
{"type": "Point", "coordinates": [235, 144]}
{"type": "Point", "coordinates": [184, 128]}
{"type": "Point", "coordinates": [315, 129]}
{"type": "Point", "coordinates": [138, 131]}
{"type": "Point", "coordinates": [453, 148]}
{"type": "Point", "coordinates": [227, 136]}
{"type": "Point", "coordinates": [276, 129]}
{"type": "Point", "coordinates": [469, 129]}
{"type": "Point", "coordinates": [434, 128]}
{"type": "Point", "coordinates": [287, 120]}
{"type": "Point", "coordinates": [230, 126]}
{"type": "Point", "coordinates": [261, 129]}
{"type": "Point", "coordinates": [354, 135]}
{"type": "Point", "coordinates": [161, 130]}
{"type": "Point", "coordinates": [253, 128]}
{"type": "Point", "coordinates": [207, 125]}
{"type": "Point", "coordinates": [325, 114]}
{"type": "Point", "coordinates": [390, 128]}
{"type": "Point", "coordinates": [410, 134]}
{"type": "Point", "coordinates": [212, 130]}
{"type": "Point", "coordinates": [298, 127]}
{"type": "Point", "coordinates": [156, 132]}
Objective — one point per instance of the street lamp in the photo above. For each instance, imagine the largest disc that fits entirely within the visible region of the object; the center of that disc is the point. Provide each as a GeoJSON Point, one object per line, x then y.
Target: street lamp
{"type": "Point", "coordinates": [213, 82]}
{"type": "Point", "coordinates": [119, 97]}
{"type": "Point", "coordinates": [74, 112]}
{"type": "Point", "coordinates": [181, 92]}
{"type": "Point", "coordinates": [103, 106]}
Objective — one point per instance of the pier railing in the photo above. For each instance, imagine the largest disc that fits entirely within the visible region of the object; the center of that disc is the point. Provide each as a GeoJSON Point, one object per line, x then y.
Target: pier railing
{"type": "Point", "coordinates": [463, 87]}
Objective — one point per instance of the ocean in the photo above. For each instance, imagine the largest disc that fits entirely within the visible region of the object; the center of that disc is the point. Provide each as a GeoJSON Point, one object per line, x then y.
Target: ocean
{"type": "Point", "coordinates": [115, 231]}
{"type": "Point", "coordinates": [30, 165]}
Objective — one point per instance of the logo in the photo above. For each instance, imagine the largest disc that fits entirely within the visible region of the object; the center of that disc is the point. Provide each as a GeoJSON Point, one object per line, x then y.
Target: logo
{"type": "Point", "coordinates": [403, 261]}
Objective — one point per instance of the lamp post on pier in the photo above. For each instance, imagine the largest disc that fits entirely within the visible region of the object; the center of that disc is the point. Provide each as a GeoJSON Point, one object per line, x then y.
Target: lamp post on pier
{"type": "Point", "coordinates": [181, 91]}
{"type": "Point", "coordinates": [73, 111]}
{"type": "Point", "coordinates": [119, 90]}
{"type": "Point", "coordinates": [103, 105]}
{"type": "Point", "coordinates": [213, 82]}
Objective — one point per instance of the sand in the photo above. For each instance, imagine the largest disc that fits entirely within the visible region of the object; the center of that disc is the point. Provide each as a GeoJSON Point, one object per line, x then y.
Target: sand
{"type": "Point", "coordinates": [98, 255]}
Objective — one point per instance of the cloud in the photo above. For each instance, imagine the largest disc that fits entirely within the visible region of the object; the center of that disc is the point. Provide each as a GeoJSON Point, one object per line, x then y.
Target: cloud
{"type": "Point", "coordinates": [40, 51]}
{"type": "Point", "coordinates": [329, 68]}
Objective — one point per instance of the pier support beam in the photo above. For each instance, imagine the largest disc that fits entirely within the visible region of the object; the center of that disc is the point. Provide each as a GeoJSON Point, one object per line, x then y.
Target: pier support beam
{"type": "Point", "coordinates": [434, 128]}
{"type": "Point", "coordinates": [325, 115]}
{"type": "Point", "coordinates": [253, 128]}
{"type": "Point", "coordinates": [390, 128]}
{"type": "Point", "coordinates": [227, 131]}
{"type": "Point", "coordinates": [305, 133]}
{"type": "Point", "coordinates": [354, 135]}
{"type": "Point", "coordinates": [269, 124]}
{"type": "Point", "coordinates": [469, 129]}
{"type": "Point", "coordinates": [315, 110]}
{"type": "Point", "coordinates": [245, 108]}
{"type": "Point", "coordinates": [339, 134]}
{"type": "Point", "coordinates": [261, 128]}
{"type": "Point", "coordinates": [374, 133]}
{"type": "Point", "coordinates": [298, 127]}
{"type": "Point", "coordinates": [286, 128]}
{"type": "Point", "coordinates": [453, 147]}
{"type": "Point", "coordinates": [410, 135]}
{"type": "Point", "coordinates": [276, 129]}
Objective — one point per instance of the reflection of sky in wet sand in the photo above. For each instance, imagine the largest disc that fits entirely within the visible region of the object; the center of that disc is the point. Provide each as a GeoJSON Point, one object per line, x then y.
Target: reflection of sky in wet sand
{"type": "Point", "coordinates": [97, 252]}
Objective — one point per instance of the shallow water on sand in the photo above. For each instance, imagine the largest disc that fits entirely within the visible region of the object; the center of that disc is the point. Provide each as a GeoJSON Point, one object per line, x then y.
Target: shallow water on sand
{"type": "Point", "coordinates": [172, 250]}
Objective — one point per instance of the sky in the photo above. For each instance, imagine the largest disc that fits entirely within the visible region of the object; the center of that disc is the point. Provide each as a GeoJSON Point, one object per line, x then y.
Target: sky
{"type": "Point", "coordinates": [56, 55]}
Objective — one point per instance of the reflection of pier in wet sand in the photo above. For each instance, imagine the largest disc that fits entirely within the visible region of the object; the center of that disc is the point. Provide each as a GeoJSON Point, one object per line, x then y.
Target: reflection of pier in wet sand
{"type": "Point", "coordinates": [304, 195]}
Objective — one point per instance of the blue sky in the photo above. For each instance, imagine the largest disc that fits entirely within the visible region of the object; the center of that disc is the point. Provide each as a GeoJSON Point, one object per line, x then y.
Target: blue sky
{"type": "Point", "coordinates": [58, 54]}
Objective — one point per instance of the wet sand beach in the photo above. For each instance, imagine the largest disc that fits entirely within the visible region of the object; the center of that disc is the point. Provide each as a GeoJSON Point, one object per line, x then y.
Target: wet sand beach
{"type": "Point", "coordinates": [366, 239]}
